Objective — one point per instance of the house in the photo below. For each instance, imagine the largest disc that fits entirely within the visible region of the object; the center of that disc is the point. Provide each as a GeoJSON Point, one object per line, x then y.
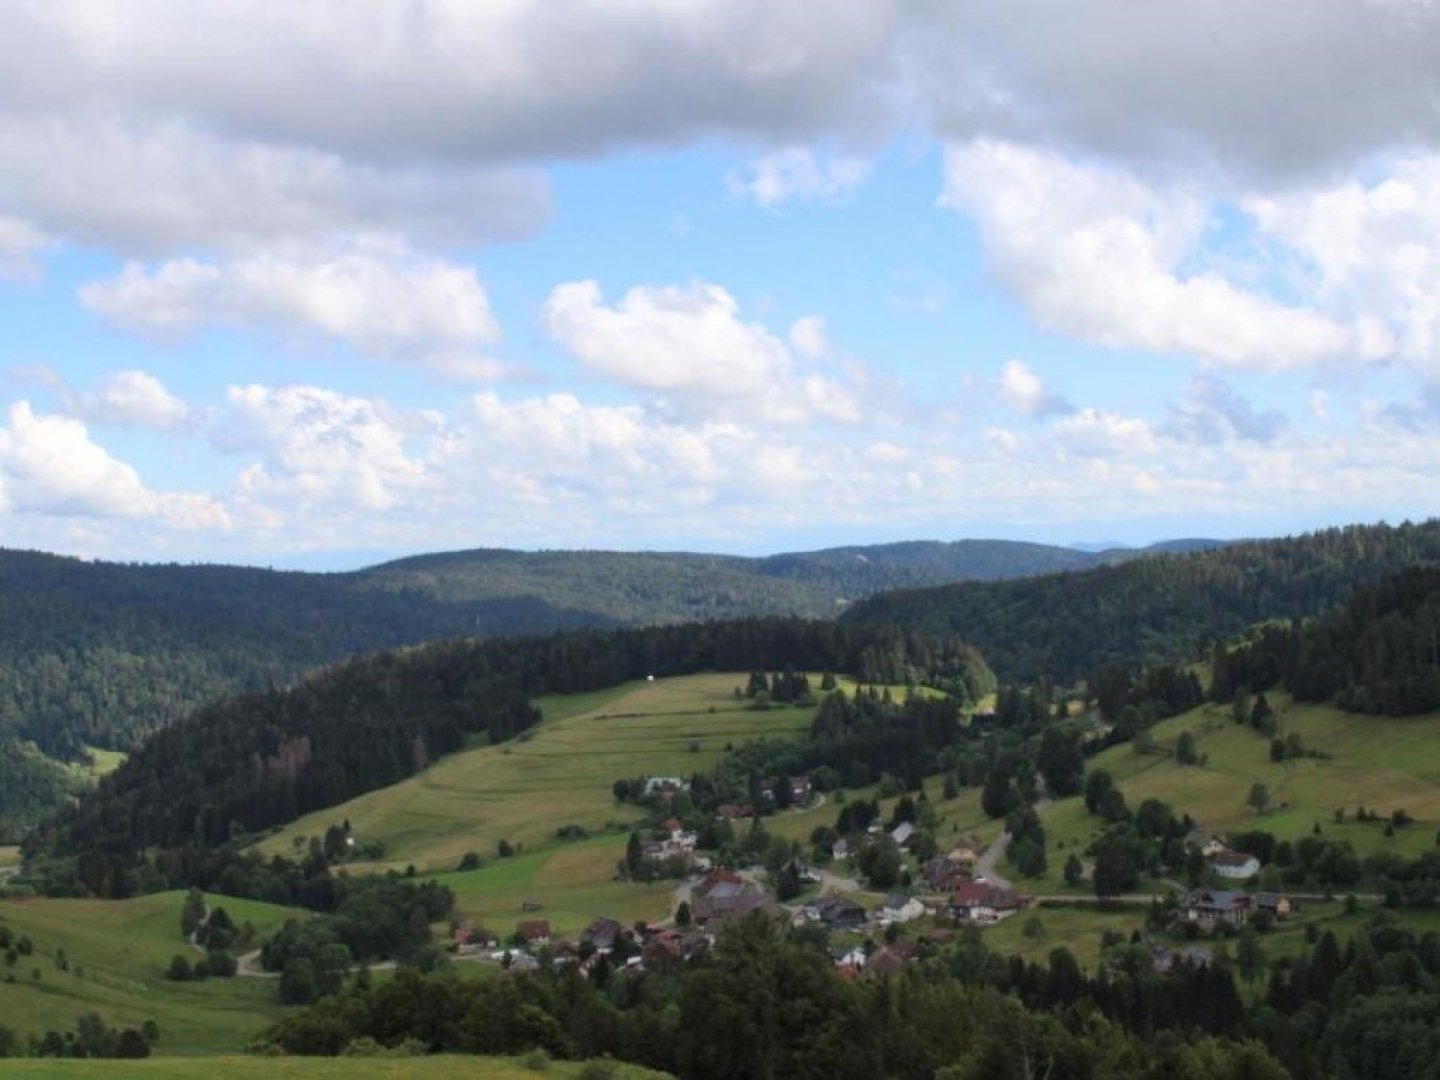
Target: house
{"type": "Point", "coordinates": [1207, 842]}
{"type": "Point", "coordinates": [901, 833]}
{"type": "Point", "coordinates": [1210, 907]}
{"type": "Point", "coordinates": [1234, 865]}
{"type": "Point", "coordinates": [673, 826]}
{"type": "Point", "coordinates": [850, 956]}
{"type": "Point", "coordinates": [804, 873]}
{"type": "Point", "coordinates": [472, 939]}
{"type": "Point", "coordinates": [665, 783]}
{"type": "Point", "coordinates": [838, 913]}
{"type": "Point", "coordinates": [944, 872]}
{"type": "Point", "coordinates": [900, 908]}
{"type": "Point", "coordinates": [665, 951]}
{"type": "Point", "coordinates": [602, 934]}
{"type": "Point", "coordinates": [979, 901]}
{"type": "Point", "coordinates": [533, 931]}
{"type": "Point", "coordinates": [840, 849]}
{"type": "Point", "coordinates": [728, 900]}
{"type": "Point", "coordinates": [800, 790]}
{"type": "Point", "coordinates": [1276, 905]}
{"type": "Point", "coordinates": [735, 811]}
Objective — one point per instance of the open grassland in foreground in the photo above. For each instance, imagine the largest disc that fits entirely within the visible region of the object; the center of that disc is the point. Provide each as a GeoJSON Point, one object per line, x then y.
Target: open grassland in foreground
{"type": "Point", "coordinates": [1382, 763]}
{"type": "Point", "coordinates": [116, 952]}
{"type": "Point", "coordinates": [450, 1066]}
{"type": "Point", "coordinates": [559, 773]}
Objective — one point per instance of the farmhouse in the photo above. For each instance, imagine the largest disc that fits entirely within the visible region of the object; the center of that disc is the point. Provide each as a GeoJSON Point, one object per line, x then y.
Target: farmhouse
{"type": "Point", "coordinates": [944, 872]}
{"type": "Point", "coordinates": [1234, 865]}
{"type": "Point", "coordinates": [602, 934]}
{"type": "Point", "coordinates": [885, 961]}
{"type": "Point", "coordinates": [1210, 907]}
{"type": "Point", "coordinates": [979, 901]}
{"type": "Point", "coordinates": [901, 833]}
{"type": "Point", "coordinates": [840, 849]}
{"type": "Point", "coordinates": [901, 909]}
{"type": "Point", "coordinates": [533, 931]}
{"type": "Point", "coordinates": [835, 912]}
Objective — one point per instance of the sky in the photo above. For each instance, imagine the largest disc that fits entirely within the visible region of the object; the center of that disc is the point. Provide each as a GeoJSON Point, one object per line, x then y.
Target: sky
{"type": "Point", "coordinates": [317, 284]}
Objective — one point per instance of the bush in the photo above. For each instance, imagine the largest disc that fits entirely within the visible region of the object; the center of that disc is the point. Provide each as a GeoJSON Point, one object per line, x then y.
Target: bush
{"type": "Point", "coordinates": [537, 1060]}
{"type": "Point", "coordinates": [599, 1069]}
{"type": "Point", "coordinates": [469, 861]}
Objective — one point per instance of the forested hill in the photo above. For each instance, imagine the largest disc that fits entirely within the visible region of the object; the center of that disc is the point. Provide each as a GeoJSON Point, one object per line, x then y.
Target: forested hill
{"type": "Point", "coordinates": [1165, 608]}
{"type": "Point", "coordinates": [258, 760]}
{"type": "Point", "coordinates": [103, 654]}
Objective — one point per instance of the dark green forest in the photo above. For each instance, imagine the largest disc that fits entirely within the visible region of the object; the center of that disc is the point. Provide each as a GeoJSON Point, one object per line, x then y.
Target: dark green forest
{"type": "Point", "coordinates": [102, 654]}
{"type": "Point", "coordinates": [1162, 609]}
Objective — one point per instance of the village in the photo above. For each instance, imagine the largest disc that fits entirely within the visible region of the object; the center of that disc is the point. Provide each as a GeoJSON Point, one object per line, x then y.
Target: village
{"type": "Point", "coordinates": [868, 934]}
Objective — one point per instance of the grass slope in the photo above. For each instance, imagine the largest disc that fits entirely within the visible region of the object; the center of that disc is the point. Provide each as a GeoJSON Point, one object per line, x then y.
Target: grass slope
{"type": "Point", "coordinates": [117, 953]}
{"type": "Point", "coordinates": [559, 773]}
{"type": "Point", "coordinates": [1383, 763]}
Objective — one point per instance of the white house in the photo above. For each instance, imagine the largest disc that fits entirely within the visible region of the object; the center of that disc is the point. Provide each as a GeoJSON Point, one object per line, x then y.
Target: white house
{"type": "Point", "coordinates": [901, 909]}
{"type": "Point", "coordinates": [901, 833]}
{"type": "Point", "coordinates": [1234, 865]}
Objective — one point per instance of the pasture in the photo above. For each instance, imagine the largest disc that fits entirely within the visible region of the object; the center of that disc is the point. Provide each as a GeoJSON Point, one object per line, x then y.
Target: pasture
{"type": "Point", "coordinates": [559, 773]}
{"type": "Point", "coordinates": [9, 856]}
{"type": "Point", "coordinates": [1382, 763]}
{"type": "Point", "coordinates": [110, 956]}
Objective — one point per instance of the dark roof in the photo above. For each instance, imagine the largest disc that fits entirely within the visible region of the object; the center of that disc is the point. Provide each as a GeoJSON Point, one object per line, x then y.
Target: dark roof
{"type": "Point", "coordinates": [602, 932]}
{"type": "Point", "coordinates": [885, 961]}
{"type": "Point", "coordinates": [1231, 858]}
{"type": "Point", "coordinates": [533, 928]}
{"type": "Point", "coordinates": [1219, 899]}
{"type": "Point", "coordinates": [983, 894]}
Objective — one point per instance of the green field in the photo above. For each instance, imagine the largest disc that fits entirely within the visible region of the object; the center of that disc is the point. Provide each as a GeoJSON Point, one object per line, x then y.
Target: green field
{"type": "Point", "coordinates": [348, 1068]}
{"type": "Point", "coordinates": [572, 883]}
{"type": "Point", "coordinates": [1382, 763]}
{"type": "Point", "coordinates": [1076, 928]}
{"type": "Point", "coordinates": [559, 773]}
{"type": "Point", "coordinates": [9, 856]}
{"type": "Point", "coordinates": [117, 952]}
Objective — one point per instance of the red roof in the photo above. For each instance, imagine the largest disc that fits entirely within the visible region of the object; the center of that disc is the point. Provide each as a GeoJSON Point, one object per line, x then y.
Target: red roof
{"type": "Point", "coordinates": [533, 929]}
{"type": "Point", "coordinates": [671, 824]}
{"type": "Point", "coordinates": [982, 894]}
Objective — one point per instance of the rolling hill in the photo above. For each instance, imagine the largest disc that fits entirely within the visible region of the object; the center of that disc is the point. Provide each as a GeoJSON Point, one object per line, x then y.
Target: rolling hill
{"type": "Point", "coordinates": [96, 654]}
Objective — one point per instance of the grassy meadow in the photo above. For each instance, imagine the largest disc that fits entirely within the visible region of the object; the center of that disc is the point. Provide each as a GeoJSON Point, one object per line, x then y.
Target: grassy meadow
{"type": "Point", "coordinates": [1382, 763]}
{"type": "Point", "coordinates": [559, 773]}
{"type": "Point", "coordinates": [116, 953]}
{"type": "Point", "coordinates": [9, 856]}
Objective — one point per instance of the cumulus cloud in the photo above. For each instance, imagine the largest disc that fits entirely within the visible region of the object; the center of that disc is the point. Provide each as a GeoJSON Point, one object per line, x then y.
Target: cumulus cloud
{"type": "Point", "coordinates": [1213, 411]}
{"type": "Point", "coordinates": [1025, 392]}
{"type": "Point", "coordinates": [322, 449]}
{"type": "Point", "coordinates": [1372, 251]}
{"type": "Point", "coordinates": [50, 465]}
{"type": "Point", "coordinates": [1100, 255]}
{"type": "Point", "coordinates": [1100, 433]}
{"type": "Point", "coordinates": [798, 174]}
{"type": "Point", "coordinates": [148, 189]}
{"type": "Point", "coordinates": [20, 245]}
{"type": "Point", "coordinates": [1269, 91]}
{"type": "Point", "coordinates": [395, 306]}
{"type": "Point", "coordinates": [134, 399]}
{"type": "Point", "coordinates": [689, 345]}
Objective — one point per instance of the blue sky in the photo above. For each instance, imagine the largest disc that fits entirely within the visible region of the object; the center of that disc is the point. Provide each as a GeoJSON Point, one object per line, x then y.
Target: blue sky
{"type": "Point", "coordinates": [318, 286]}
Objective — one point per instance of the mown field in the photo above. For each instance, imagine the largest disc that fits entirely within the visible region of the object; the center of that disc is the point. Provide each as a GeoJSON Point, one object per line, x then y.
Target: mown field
{"type": "Point", "coordinates": [110, 956]}
{"type": "Point", "coordinates": [9, 856]}
{"type": "Point", "coordinates": [1384, 764]}
{"type": "Point", "coordinates": [454, 1066]}
{"type": "Point", "coordinates": [559, 773]}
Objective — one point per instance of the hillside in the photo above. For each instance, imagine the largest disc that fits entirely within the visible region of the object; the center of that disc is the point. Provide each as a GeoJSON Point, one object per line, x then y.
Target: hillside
{"type": "Point", "coordinates": [1163, 608]}
{"type": "Point", "coordinates": [102, 654]}
{"type": "Point", "coordinates": [261, 760]}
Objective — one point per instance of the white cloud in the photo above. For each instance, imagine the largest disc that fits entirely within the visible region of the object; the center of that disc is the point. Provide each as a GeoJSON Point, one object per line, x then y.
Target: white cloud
{"type": "Point", "coordinates": [1265, 91]}
{"type": "Point", "coordinates": [1214, 412]}
{"type": "Point", "coordinates": [809, 337]}
{"type": "Point", "coordinates": [134, 399]}
{"type": "Point", "coordinates": [1025, 392]}
{"type": "Point", "coordinates": [50, 465]}
{"type": "Point", "coordinates": [147, 189]}
{"type": "Point", "coordinates": [1100, 433]}
{"type": "Point", "coordinates": [689, 344]}
{"type": "Point", "coordinates": [797, 173]}
{"type": "Point", "coordinates": [20, 245]}
{"type": "Point", "coordinates": [392, 305]}
{"type": "Point", "coordinates": [319, 448]}
{"type": "Point", "coordinates": [1098, 254]}
{"type": "Point", "coordinates": [1372, 251]}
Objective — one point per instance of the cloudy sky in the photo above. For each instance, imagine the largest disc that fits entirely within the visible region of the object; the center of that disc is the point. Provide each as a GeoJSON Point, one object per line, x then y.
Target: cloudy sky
{"type": "Point", "coordinates": [316, 283]}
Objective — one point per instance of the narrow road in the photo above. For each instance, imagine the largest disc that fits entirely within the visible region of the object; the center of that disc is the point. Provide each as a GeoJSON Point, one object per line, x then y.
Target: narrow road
{"type": "Point", "coordinates": [985, 865]}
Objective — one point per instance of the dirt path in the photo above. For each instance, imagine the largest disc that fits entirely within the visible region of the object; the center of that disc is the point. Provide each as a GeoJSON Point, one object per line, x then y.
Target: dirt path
{"type": "Point", "coordinates": [985, 865]}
